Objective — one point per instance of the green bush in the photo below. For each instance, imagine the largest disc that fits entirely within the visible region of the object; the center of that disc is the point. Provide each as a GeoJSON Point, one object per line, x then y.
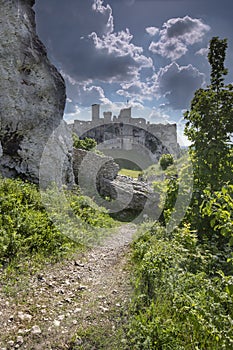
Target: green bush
{"type": "Point", "coordinates": [27, 228]}
{"type": "Point", "coordinates": [87, 143]}
{"type": "Point", "coordinates": [179, 302]}
{"type": "Point", "coordinates": [166, 160]}
{"type": "Point", "coordinates": [217, 207]}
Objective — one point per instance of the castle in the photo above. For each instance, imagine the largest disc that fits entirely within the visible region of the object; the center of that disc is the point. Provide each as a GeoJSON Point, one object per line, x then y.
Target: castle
{"type": "Point", "coordinates": [123, 132]}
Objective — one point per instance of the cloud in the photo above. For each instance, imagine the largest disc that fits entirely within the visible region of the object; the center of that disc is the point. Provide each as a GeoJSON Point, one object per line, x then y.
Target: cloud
{"type": "Point", "coordinates": [71, 107]}
{"type": "Point", "coordinates": [123, 57]}
{"type": "Point", "coordinates": [203, 52]}
{"type": "Point", "coordinates": [152, 30]}
{"type": "Point", "coordinates": [157, 116]}
{"type": "Point", "coordinates": [83, 42]}
{"type": "Point", "coordinates": [82, 94]}
{"type": "Point", "coordinates": [136, 91]}
{"type": "Point", "coordinates": [177, 34]}
{"type": "Point", "coordinates": [178, 84]}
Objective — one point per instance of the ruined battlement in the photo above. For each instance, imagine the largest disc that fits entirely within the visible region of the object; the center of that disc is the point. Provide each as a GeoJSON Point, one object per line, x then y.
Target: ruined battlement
{"type": "Point", "coordinates": [124, 131]}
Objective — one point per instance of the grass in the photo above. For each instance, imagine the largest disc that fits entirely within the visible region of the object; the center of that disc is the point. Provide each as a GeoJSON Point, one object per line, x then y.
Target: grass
{"type": "Point", "coordinates": [182, 298]}
{"type": "Point", "coordinates": [47, 227]}
{"type": "Point", "coordinates": [109, 334]}
{"type": "Point", "coordinates": [131, 173]}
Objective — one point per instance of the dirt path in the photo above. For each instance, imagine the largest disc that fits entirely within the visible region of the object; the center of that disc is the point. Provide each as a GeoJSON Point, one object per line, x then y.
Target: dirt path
{"type": "Point", "coordinates": [85, 296]}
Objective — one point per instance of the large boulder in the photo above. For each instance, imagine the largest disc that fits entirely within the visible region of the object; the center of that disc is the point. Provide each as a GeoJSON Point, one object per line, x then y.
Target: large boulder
{"type": "Point", "coordinates": [135, 199]}
{"type": "Point", "coordinates": [32, 101]}
{"type": "Point", "coordinates": [97, 176]}
{"type": "Point", "coordinates": [93, 165]}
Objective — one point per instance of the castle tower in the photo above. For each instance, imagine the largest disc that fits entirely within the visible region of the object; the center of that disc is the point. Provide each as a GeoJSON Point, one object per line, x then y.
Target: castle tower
{"type": "Point", "coordinates": [125, 113]}
{"type": "Point", "coordinates": [107, 116]}
{"type": "Point", "coordinates": [95, 112]}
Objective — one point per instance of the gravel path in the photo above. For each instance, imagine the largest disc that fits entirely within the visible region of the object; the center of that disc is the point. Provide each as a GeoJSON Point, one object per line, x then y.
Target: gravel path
{"type": "Point", "coordinates": [88, 291]}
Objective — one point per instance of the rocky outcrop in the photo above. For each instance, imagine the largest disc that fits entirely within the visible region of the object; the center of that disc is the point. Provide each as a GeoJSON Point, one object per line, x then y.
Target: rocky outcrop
{"type": "Point", "coordinates": [97, 176]}
{"type": "Point", "coordinates": [32, 102]}
{"type": "Point", "coordinates": [93, 165]}
{"type": "Point", "coordinates": [135, 199]}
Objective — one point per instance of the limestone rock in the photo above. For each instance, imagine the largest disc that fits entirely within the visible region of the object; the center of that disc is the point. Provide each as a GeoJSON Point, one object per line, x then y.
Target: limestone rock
{"type": "Point", "coordinates": [98, 178]}
{"type": "Point", "coordinates": [90, 163]}
{"type": "Point", "coordinates": [32, 99]}
{"type": "Point", "coordinates": [133, 197]}
{"type": "Point", "coordinates": [36, 330]}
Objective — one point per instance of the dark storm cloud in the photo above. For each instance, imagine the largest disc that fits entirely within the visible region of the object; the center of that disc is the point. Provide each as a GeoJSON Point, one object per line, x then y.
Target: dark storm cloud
{"type": "Point", "coordinates": [72, 28]}
{"type": "Point", "coordinates": [178, 84]}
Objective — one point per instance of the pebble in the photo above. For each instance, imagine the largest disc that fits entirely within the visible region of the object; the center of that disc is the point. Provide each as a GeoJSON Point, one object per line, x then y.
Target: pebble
{"type": "Point", "coordinates": [82, 288]}
{"type": "Point", "coordinates": [61, 317]}
{"type": "Point", "coordinates": [56, 323]}
{"type": "Point", "coordinates": [11, 343]}
{"type": "Point", "coordinates": [105, 309]}
{"type": "Point", "coordinates": [24, 317]}
{"type": "Point", "coordinates": [77, 310]}
{"type": "Point", "coordinates": [19, 339]}
{"type": "Point", "coordinates": [36, 330]}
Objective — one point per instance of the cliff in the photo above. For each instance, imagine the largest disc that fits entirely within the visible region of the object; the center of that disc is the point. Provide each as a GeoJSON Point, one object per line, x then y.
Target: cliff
{"type": "Point", "coordinates": [32, 101]}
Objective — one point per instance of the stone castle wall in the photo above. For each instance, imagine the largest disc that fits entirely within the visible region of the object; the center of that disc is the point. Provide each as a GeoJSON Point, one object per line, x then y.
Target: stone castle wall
{"type": "Point", "coordinates": [127, 133]}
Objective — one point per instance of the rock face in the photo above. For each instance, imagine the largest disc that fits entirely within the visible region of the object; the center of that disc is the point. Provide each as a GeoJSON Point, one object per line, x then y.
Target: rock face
{"type": "Point", "coordinates": [92, 164]}
{"type": "Point", "coordinates": [133, 198]}
{"type": "Point", "coordinates": [98, 178]}
{"type": "Point", "coordinates": [32, 101]}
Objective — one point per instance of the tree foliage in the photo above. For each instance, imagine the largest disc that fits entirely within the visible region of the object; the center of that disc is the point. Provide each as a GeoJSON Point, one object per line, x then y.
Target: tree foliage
{"type": "Point", "coordinates": [87, 143]}
{"type": "Point", "coordinates": [166, 160]}
{"type": "Point", "coordinates": [184, 279]}
{"type": "Point", "coordinates": [209, 124]}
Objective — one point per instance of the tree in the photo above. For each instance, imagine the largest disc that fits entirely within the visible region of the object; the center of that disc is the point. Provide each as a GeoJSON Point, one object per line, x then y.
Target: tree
{"type": "Point", "coordinates": [166, 160]}
{"type": "Point", "coordinates": [87, 144]}
{"type": "Point", "coordinates": [210, 124]}
{"type": "Point", "coordinates": [209, 127]}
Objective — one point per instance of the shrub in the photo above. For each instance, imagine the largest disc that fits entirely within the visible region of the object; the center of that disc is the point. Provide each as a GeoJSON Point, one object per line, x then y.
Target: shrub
{"type": "Point", "coordinates": [178, 303]}
{"type": "Point", "coordinates": [87, 143]}
{"type": "Point", "coordinates": [165, 161]}
{"type": "Point", "coordinates": [27, 228]}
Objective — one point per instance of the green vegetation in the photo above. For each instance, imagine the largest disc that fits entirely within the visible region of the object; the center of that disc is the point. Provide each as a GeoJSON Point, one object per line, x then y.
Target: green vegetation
{"type": "Point", "coordinates": [209, 125]}
{"type": "Point", "coordinates": [87, 143]}
{"type": "Point", "coordinates": [165, 161]}
{"type": "Point", "coordinates": [110, 333]}
{"type": "Point", "coordinates": [182, 298]}
{"type": "Point", "coordinates": [26, 229]}
{"type": "Point", "coordinates": [129, 172]}
{"type": "Point", "coordinates": [184, 278]}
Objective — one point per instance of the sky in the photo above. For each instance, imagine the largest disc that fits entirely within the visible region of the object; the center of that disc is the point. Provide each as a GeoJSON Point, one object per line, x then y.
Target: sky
{"type": "Point", "coordinates": [147, 54]}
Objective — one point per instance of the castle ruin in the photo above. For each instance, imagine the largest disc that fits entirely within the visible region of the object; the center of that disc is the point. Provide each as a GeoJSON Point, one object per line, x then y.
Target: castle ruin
{"type": "Point", "coordinates": [125, 133]}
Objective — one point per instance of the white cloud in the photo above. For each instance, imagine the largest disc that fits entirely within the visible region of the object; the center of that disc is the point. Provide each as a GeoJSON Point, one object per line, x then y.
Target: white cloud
{"type": "Point", "coordinates": [157, 116]}
{"type": "Point", "coordinates": [83, 94]}
{"type": "Point", "coordinates": [152, 31]}
{"type": "Point", "coordinates": [136, 91]}
{"type": "Point", "coordinates": [177, 34]}
{"type": "Point", "coordinates": [203, 52]}
{"type": "Point", "coordinates": [106, 11]}
{"type": "Point", "coordinates": [119, 50]}
{"type": "Point", "coordinates": [88, 47]}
